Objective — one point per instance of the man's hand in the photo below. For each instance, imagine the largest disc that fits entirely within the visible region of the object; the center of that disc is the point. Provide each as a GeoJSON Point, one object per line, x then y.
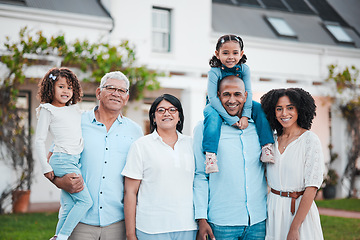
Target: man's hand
{"type": "Point", "coordinates": [204, 230]}
{"type": "Point", "coordinates": [50, 175]}
{"type": "Point", "coordinates": [71, 182]}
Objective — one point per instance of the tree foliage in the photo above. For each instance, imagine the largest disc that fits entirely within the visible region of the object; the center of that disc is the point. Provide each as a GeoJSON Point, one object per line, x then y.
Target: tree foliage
{"type": "Point", "coordinates": [348, 99]}
{"type": "Point", "coordinates": [95, 59]}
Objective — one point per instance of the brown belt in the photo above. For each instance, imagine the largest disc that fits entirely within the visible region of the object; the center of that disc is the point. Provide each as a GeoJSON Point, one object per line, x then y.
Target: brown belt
{"type": "Point", "coordinates": [292, 195]}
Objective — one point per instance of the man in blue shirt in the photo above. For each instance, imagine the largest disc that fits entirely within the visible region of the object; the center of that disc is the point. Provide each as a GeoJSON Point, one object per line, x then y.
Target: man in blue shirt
{"type": "Point", "coordinates": [231, 204]}
{"type": "Point", "coordinates": [107, 138]}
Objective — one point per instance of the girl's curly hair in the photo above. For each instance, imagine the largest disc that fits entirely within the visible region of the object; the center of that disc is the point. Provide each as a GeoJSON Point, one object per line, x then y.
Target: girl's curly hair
{"type": "Point", "coordinates": [46, 85]}
{"type": "Point", "coordinates": [215, 62]}
{"type": "Point", "coordinates": [301, 99]}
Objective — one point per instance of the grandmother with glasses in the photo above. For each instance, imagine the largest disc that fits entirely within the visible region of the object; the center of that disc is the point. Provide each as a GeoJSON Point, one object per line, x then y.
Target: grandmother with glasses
{"type": "Point", "coordinates": [159, 175]}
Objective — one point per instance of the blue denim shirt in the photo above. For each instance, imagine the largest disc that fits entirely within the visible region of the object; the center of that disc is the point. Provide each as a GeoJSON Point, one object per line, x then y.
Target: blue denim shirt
{"type": "Point", "coordinates": [237, 193]}
{"type": "Point", "coordinates": [102, 162]}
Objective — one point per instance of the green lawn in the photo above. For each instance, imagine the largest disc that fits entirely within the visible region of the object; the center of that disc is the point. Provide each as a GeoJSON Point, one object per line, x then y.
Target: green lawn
{"type": "Point", "coordinates": [338, 228]}
{"type": "Point", "coordinates": [344, 204]}
{"type": "Point", "coordinates": [41, 226]}
{"type": "Point", "coordinates": [30, 226]}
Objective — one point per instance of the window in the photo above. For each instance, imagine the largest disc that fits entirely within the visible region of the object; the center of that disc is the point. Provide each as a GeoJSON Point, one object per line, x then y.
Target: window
{"type": "Point", "coordinates": [338, 33]}
{"type": "Point", "coordinates": [23, 104]}
{"type": "Point", "coordinates": [281, 27]}
{"type": "Point", "coordinates": [161, 30]}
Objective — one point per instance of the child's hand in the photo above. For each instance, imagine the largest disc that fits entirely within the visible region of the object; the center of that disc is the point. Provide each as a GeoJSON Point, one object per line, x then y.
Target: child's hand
{"type": "Point", "coordinates": [50, 175]}
{"type": "Point", "coordinates": [244, 122]}
{"type": "Point", "coordinates": [236, 125]}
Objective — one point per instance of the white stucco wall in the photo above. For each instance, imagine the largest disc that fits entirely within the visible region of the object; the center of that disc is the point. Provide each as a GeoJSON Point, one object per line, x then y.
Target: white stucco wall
{"type": "Point", "coordinates": [192, 44]}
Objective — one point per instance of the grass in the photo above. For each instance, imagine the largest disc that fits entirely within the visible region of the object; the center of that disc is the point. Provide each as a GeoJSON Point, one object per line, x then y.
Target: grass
{"type": "Point", "coordinates": [42, 225]}
{"type": "Point", "coordinates": [29, 226]}
{"type": "Point", "coordinates": [338, 228]}
{"type": "Point", "coordinates": [351, 204]}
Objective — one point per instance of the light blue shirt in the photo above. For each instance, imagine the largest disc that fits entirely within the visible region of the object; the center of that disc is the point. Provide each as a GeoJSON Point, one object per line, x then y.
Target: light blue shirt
{"type": "Point", "coordinates": [237, 193]}
{"type": "Point", "coordinates": [102, 162]}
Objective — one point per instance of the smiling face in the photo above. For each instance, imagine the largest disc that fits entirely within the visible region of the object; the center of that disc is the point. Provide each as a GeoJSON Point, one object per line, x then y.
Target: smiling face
{"type": "Point", "coordinates": [112, 101]}
{"type": "Point", "coordinates": [229, 53]}
{"type": "Point", "coordinates": [166, 120]}
{"type": "Point", "coordinates": [286, 113]}
{"type": "Point", "coordinates": [62, 92]}
{"type": "Point", "coordinates": [232, 95]}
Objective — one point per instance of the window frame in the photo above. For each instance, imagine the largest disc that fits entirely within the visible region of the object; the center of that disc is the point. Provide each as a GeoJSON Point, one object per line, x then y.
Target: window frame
{"type": "Point", "coordinates": [336, 37]}
{"type": "Point", "coordinates": [165, 46]}
{"type": "Point", "coordinates": [277, 29]}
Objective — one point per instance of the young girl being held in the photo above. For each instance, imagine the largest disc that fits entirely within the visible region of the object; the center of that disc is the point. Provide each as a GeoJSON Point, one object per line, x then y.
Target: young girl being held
{"type": "Point", "coordinates": [229, 59]}
{"type": "Point", "coordinates": [59, 91]}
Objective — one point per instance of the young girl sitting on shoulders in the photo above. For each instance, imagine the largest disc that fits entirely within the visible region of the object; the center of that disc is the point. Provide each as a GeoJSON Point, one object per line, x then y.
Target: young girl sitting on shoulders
{"type": "Point", "coordinates": [229, 59]}
{"type": "Point", "coordinates": [59, 91]}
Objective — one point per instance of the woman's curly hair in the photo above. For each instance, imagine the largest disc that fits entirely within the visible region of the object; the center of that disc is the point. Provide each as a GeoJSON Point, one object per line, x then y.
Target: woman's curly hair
{"type": "Point", "coordinates": [46, 85]}
{"type": "Point", "coordinates": [215, 62]}
{"type": "Point", "coordinates": [300, 98]}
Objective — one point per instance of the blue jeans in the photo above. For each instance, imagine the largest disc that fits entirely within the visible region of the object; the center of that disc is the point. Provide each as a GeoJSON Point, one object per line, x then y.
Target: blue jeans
{"type": "Point", "coordinates": [181, 235]}
{"type": "Point", "coordinates": [73, 205]}
{"type": "Point", "coordinates": [213, 121]}
{"type": "Point", "coordinates": [254, 232]}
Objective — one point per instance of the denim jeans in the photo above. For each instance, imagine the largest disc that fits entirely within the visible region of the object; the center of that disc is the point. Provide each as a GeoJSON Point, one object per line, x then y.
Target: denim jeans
{"type": "Point", "coordinates": [73, 205]}
{"type": "Point", "coordinates": [254, 232]}
{"type": "Point", "coordinates": [213, 121]}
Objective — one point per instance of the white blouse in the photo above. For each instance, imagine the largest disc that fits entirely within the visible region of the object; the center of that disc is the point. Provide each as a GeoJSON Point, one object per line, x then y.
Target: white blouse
{"type": "Point", "coordinates": [165, 197]}
{"type": "Point", "coordinates": [64, 124]}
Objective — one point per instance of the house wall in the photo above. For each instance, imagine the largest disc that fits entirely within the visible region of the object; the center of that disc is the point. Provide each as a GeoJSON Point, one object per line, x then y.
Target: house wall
{"type": "Point", "coordinates": [192, 44]}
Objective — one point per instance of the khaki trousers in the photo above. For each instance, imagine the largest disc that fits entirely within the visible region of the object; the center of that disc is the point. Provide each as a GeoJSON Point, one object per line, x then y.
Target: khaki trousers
{"type": "Point", "coordinates": [115, 231]}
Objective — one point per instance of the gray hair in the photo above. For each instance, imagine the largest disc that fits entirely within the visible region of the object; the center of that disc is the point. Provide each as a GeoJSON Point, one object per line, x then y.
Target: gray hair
{"type": "Point", "coordinates": [114, 75]}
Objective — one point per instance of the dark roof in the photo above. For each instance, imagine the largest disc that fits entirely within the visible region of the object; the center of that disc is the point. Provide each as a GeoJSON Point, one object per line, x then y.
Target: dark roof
{"type": "Point", "coordinates": [88, 7]}
{"type": "Point", "coordinates": [349, 11]}
{"type": "Point", "coordinates": [305, 17]}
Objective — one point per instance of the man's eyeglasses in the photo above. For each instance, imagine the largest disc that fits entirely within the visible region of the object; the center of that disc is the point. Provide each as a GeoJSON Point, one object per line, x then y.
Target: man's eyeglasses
{"type": "Point", "coordinates": [162, 110]}
{"type": "Point", "coordinates": [112, 89]}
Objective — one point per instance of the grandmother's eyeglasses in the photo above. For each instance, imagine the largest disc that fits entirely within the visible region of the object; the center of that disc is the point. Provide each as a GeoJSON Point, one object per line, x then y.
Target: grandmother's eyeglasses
{"type": "Point", "coordinates": [162, 110]}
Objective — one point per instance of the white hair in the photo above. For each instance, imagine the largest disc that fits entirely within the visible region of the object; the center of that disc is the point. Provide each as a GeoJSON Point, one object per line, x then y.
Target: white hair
{"type": "Point", "coordinates": [114, 75]}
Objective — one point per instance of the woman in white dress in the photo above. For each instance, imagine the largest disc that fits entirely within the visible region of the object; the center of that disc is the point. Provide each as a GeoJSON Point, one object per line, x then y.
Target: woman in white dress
{"type": "Point", "coordinates": [299, 166]}
{"type": "Point", "coordinates": [159, 174]}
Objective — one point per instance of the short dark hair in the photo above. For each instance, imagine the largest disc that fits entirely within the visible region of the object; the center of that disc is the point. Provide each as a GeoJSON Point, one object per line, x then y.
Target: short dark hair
{"type": "Point", "coordinates": [302, 100]}
{"type": "Point", "coordinates": [215, 62]}
{"type": "Point", "coordinates": [46, 85]}
{"type": "Point", "coordinates": [229, 78]}
{"type": "Point", "coordinates": [174, 101]}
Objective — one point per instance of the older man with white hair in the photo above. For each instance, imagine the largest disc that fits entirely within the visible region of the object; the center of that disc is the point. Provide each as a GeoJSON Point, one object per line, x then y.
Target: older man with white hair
{"type": "Point", "coordinates": [107, 137]}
